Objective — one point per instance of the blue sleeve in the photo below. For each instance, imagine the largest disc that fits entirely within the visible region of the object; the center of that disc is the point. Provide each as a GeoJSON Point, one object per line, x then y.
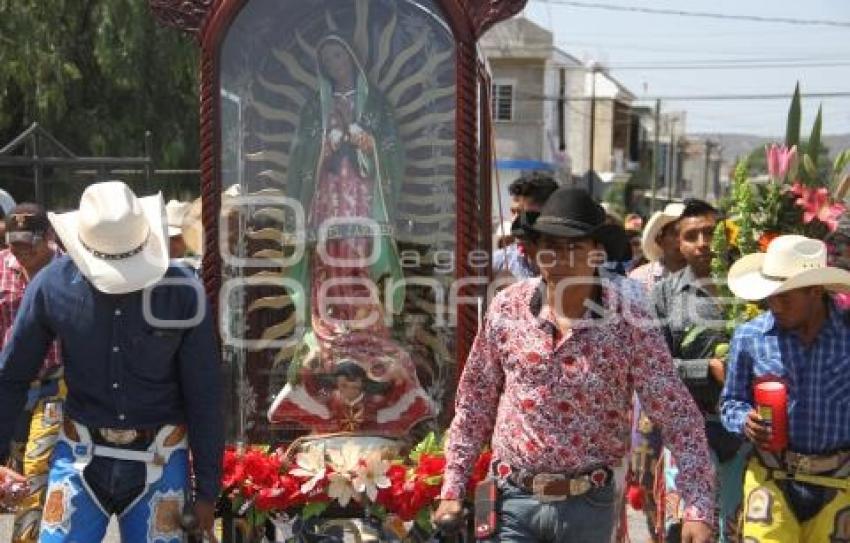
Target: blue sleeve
{"type": "Point", "coordinates": [200, 382]}
{"type": "Point", "coordinates": [22, 357]}
{"type": "Point", "coordinates": [736, 399]}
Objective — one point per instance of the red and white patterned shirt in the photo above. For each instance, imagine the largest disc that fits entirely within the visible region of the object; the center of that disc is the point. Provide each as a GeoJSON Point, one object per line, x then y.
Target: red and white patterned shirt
{"type": "Point", "coordinates": [13, 283]}
{"type": "Point", "coordinates": [554, 404]}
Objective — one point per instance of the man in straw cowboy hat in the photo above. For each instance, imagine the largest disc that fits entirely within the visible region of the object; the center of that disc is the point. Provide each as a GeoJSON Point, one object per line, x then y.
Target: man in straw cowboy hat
{"type": "Point", "coordinates": [801, 493]}
{"type": "Point", "coordinates": [693, 327]}
{"type": "Point", "coordinates": [660, 246]}
{"type": "Point", "coordinates": [548, 386]}
{"type": "Point", "coordinates": [141, 368]}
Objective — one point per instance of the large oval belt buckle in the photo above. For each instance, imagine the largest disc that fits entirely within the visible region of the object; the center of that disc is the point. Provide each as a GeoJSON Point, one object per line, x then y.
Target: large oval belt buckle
{"type": "Point", "coordinates": [539, 487]}
{"type": "Point", "coordinates": [117, 436]}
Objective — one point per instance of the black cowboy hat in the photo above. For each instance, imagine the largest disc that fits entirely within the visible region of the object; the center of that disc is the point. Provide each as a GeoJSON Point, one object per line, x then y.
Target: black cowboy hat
{"type": "Point", "coordinates": [572, 213]}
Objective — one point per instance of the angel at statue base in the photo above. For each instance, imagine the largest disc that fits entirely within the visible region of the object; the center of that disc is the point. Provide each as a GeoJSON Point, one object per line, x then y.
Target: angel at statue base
{"type": "Point", "coordinates": [362, 384]}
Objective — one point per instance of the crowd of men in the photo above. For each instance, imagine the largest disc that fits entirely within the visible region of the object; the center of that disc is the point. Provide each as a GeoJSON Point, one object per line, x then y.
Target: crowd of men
{"type": "Point", "coordinates": [608, 344]}
{"type": "Point", "coordinates": [561, 362]}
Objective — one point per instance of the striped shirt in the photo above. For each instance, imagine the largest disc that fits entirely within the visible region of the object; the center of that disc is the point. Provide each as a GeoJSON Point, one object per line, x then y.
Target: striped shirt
{"type": "Point", "coordinates": [817, 378]}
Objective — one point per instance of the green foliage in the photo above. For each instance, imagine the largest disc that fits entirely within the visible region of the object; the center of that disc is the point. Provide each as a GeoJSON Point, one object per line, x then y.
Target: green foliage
{"type": "Point", "coordinates": [813, 151]}
{"type": "Point", "coordinates": [314, 509]}
{"type": "Point", "coordinates": [792, 130]}
{"type": "Point", "coordinates": [97, 74]}
{"type": "Point", "coordinates": [431, 445]}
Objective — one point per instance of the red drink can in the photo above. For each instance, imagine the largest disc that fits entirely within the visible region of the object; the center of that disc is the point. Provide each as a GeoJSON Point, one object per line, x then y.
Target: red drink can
{"type": "Point", "coordinates": [772, 405]}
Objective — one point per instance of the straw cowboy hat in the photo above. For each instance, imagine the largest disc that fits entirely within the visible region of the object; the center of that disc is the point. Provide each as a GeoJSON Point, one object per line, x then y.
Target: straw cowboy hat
{"type": "Point", "coordinates": [790, 262]}
{"type": "Point", "coordinates": [671, 213]}
{"type": "Point", "coordinates": [175, 210]}
{"type": "Point", "coordinates": [117, 240]}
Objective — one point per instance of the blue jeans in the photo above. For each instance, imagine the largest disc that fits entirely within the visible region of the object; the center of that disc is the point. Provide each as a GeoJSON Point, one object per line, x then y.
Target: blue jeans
{"type": "Point", "coordinates": [588, 518]}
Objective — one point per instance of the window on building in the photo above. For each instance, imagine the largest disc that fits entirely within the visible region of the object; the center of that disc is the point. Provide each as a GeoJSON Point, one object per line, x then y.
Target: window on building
{"type": "Point", "coordinates": [503, 102]}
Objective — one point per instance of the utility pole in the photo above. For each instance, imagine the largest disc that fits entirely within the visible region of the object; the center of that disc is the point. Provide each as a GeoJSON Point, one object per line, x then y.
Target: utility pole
{"type": "Point", "coordinates": [653, 167]}
{"type": "Point", "coordinates": [671, 157]}
{"type": "Point", "coordinates": [708, 145]}
{"type": "Point", "coordinates": [590, 175]}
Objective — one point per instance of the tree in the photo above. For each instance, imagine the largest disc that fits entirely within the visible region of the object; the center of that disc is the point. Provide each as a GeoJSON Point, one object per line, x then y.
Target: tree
{"type": "Point", "coordinates": [97, 74]}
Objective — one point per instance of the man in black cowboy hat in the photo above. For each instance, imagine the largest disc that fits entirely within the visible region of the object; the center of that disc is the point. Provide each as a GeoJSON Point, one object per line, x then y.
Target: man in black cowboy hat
{"type": "Point", "coordinates": [549, 385]}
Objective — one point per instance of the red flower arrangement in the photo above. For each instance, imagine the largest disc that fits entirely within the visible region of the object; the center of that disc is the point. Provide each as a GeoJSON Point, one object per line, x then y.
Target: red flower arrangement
{"type": "Point", "coordinates": [262, 483]}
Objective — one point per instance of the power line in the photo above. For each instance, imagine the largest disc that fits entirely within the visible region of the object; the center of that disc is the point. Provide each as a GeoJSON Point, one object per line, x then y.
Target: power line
{"type": "Point", "coordinates": [704, 14]}
{"type": "Point", "coordinates": [710, 66]}
{"type": "Point", "coordinates": [683, 98]}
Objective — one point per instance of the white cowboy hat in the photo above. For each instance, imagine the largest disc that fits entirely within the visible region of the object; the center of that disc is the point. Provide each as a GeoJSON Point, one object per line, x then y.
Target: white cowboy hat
{"type": "Point", "coordinates": [175, 210]}
{"type": "Point", "coordinates": [671, 213]}
{"type": "Point", "coordinates": [118, 241]}
{"type": "Point", "coordinates": [790, 262]}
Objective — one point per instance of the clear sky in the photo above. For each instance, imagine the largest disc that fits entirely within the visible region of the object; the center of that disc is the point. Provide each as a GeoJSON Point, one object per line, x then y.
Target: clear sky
{"type": "Point", "coordinates": [639, 39]}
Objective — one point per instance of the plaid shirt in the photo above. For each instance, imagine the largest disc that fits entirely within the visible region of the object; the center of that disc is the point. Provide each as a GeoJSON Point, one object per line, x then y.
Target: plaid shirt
{"type": "Point", "coordinates": [13, 283]}
{"type": "Point", "coordinates": [561, 404]}
{"type": "Point", "coordinates": [817, 378]}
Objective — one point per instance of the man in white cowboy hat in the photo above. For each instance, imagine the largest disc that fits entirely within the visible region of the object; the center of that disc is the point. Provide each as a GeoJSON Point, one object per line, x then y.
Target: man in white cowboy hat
{"type": "Point", "coordinates": [141, 367]}
{"type": "Point", "coordinates": [801, 494]}
{"type": "Point", "coordinates": [175, 212]}
{"type": "Point", "coordinates": [692, 322]}
{"type": "Point", "coordinates": [549, 388]}
{"type": "Point", "coordinates": [660, 245]}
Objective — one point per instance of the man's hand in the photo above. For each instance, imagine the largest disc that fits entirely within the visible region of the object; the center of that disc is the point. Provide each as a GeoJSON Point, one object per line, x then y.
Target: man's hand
{"type": "Point", "coordinates": [757, 429]}
{"type": "Point", "coordinates": [717, 370]}
{"type": "Point", "coordinates": [205, 512]}
{"type": "Point", "coordinates": [696, 531]}
{"type": "Point", "coordinates": [448, 515]}
{"type": "Point", "coordinates": [12, 485]}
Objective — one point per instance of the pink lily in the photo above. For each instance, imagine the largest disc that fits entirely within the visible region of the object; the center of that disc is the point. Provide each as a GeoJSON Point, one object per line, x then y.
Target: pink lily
{"type": "Point", "coordinates": [817, 205]}
{"type": "Point", "coordinates": [779, 159]}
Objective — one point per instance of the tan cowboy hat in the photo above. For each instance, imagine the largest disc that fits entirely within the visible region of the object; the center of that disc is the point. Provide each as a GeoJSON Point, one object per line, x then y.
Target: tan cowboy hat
{"type": "Point", "coordinates": [117, 240]}
{"type": "Point", "coordinates": [175, 210]}
{"type": "Point", "coordinates": [193, 228]}
{"type": "Point", "coordinates": [790, 262]}
{"type": "Point", "coordinates": [671, 213]}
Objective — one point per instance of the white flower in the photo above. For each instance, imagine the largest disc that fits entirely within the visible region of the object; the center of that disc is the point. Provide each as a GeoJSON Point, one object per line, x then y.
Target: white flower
{"type": "Point", "coordinates": [340, 488]}
{"type": "Point", "coordinates": [311, 463]}
{"type": "Point", "coordinates": [372, 475]}
{"type": "Point", "coordinates": [335, 136]}
{"type": "Point", "coordinates": [345, 459]}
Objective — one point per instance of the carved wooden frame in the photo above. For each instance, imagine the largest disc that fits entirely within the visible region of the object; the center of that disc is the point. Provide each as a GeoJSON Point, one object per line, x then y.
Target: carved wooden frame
{"type": "Point", "coordinates": [208, 20]}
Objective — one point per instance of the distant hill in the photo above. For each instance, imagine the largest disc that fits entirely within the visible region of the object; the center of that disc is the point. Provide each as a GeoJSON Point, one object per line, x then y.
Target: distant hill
{"type": "Point", "coordinates": [738, 145]}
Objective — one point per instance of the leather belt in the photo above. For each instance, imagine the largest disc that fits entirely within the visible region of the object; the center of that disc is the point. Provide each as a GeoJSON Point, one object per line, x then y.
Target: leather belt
{"type": "Point", "coordinates": [547, 487]}
{"type": "Point", "coordinates": [808, 464]}
{"type": "Point", "coordinates": [121, 437]}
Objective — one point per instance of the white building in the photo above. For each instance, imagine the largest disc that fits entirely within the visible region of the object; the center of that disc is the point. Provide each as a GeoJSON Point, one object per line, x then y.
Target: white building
{"type": "Point", "coordinates": [543, 99]}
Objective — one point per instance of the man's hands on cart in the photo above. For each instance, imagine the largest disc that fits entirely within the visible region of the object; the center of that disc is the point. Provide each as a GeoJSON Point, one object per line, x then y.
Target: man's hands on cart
{"type": "Point", "coordinates": [13, 486]}
{"type": "Point", "coordinates": [449, 516]}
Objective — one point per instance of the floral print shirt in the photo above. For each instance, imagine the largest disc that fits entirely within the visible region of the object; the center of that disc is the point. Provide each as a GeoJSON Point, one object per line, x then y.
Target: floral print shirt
{"type": "Point", "coordinates": [555, 404]}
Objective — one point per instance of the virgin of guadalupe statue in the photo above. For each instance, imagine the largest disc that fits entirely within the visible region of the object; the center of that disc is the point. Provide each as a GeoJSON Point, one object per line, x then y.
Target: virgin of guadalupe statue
{"type": "Point", "coordinates": [347, 165]}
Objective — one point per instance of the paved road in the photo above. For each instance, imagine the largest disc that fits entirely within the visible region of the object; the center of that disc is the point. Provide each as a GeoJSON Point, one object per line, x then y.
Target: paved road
{"type": "Point", "coordinates": [637, 530]}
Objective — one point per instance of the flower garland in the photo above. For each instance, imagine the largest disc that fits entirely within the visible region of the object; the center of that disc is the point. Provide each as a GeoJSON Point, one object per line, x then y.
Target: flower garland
{"type": "Point", "coordinates": [400, 490]}
{"type": "Point", "coordinates": [797, 199]}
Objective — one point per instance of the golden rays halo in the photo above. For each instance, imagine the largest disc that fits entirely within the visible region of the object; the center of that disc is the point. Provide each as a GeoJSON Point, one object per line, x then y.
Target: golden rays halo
{"type": "Point", "coordinates": [409, 57]}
